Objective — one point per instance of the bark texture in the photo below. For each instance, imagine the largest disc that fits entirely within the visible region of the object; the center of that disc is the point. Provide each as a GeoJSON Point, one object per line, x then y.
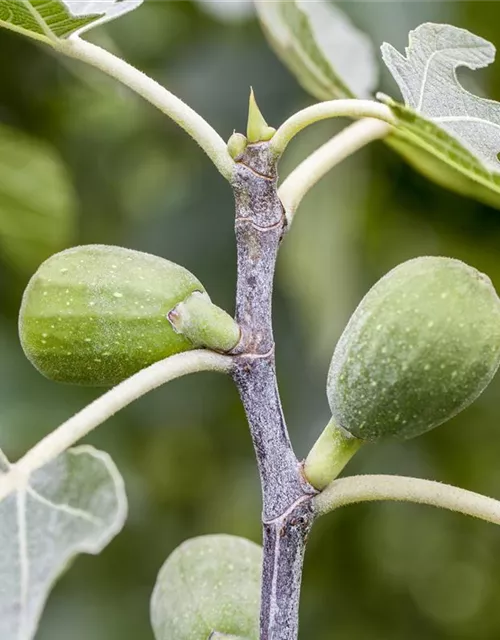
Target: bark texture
{"type": "Point", "coordinates": [287, 512]}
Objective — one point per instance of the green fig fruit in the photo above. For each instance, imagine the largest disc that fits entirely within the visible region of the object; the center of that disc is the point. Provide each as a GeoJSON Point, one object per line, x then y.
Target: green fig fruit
{"type": "Point", "coordinates": [96, 314]}
{"type": "Point", "coordinates": [421, 346]}
{"type": "Point", "coordinates": [209, 588]}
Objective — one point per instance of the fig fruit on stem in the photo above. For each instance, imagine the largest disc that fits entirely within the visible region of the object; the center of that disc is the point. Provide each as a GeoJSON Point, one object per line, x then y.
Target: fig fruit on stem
{"type": "Point", "coordinates": [97, 314]}
{"type": "Point", "coordinates": [421, 346]}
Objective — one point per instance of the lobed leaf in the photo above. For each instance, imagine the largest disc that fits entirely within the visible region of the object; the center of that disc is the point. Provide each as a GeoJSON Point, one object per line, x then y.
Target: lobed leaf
{"type": "Point", "coordinates": [449, 134]}
{"type": "Point", "coordinates": [75, 504]}
{"type": "Point", "coordinates": [427, 77]}
{"type": "Point", "coordinates": [445, 132]}
{"type": "Point", "coordinates": [209, 587]}
{"type": "Point", "coordinates": [55, 19]}
{"type": "Point", "coordinates": [321, 47]}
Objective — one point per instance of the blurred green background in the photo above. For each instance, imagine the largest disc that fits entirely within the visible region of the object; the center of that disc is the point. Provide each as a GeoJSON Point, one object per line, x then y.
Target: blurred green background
{"type": "Point", "coordinates": [82, 160]}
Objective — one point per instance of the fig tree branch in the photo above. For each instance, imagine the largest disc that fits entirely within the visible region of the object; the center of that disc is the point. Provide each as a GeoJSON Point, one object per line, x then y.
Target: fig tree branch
{"type": "Point", "coordinates": [287, 513]}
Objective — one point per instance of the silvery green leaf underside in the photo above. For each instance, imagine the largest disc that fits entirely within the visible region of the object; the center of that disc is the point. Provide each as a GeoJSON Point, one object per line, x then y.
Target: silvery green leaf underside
{"type": "Point", "coordinates": [449, 134]}
{"type": "Point", "coordinates": [441, 157]}
{"type": "Point", "coordinates": [445, 132]}
{"type": "Point", "coordinates": [75, 504]}
{"type": "Point", "coordinates": [427, 77]}
{"type": "Point", "coordinates": [55, 19]}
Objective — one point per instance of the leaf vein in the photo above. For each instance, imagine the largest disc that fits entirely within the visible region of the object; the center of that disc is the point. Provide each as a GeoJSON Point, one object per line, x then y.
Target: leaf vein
{"type": "Point", "coordinates": [65, 508]}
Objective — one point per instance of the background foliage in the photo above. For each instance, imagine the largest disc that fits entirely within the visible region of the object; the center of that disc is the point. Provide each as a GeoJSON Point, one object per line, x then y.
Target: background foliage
{"type": "Point", "coordinates": [95, 164]}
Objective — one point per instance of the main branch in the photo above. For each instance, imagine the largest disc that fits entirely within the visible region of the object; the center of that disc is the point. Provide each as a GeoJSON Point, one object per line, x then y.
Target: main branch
{"type": "Point", "coordinates": [287, 511]}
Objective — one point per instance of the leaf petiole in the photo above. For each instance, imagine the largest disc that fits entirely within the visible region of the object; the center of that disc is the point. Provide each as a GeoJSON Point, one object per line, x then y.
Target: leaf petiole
{"type": "Point", "coordinates": [369, 488]}
{"type": "Point", "coordinates": [350, 108]}
{"type": "Point", "coordinates": [314, 167]}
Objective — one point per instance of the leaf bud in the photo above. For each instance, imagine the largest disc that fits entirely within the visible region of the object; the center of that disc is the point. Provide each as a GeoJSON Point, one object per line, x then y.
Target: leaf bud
{"type": "Point", "coordinates": [236, 145]}
{"type": "Point", "coordinates": [257, 128]}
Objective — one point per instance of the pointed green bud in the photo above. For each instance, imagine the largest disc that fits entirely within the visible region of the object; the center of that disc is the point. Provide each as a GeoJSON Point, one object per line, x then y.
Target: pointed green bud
{"type": "Point", "coordinates": [332, 451]}
{"type": "Point", "coordinates": [96, 314]}
{"type": "Point", "coordinates": [421, 346]}
{"type": "Point", "coordinates": [257, 128]}
{"type": "Point", "coordinates": [236, 145]}
{"type": "Point", "coordinates": [204, 324]}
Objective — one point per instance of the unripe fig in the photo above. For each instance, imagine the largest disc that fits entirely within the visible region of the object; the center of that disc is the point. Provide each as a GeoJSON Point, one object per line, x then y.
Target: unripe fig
{"type": "Point", "coordinates": [97, 314]}
{"type": "Point", "coordinates": [209, 589]}
{"type": "Point", "coordinates": [420, 347]}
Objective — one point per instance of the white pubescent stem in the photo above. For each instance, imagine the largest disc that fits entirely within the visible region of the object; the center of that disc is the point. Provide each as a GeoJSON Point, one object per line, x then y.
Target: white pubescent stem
{"type": "Point", "coordinates": [350, 108]}
{"type": "Point", "coordinates": [313, 168]}
{"type": "Point", "coordinates": [198, 128]}
{"type": "Point", "coordinates": [67, 434]}
{"type": "Point", "coordinates": [368, 488]}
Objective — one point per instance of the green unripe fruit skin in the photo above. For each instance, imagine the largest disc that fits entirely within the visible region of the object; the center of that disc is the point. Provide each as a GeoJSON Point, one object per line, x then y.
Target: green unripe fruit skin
{"type": "Point", "coordinates": [209, 588]}
{"type": "Point", "coordinates": [96, 314]}
{"type": "Point", "coordinates": [420, 347]}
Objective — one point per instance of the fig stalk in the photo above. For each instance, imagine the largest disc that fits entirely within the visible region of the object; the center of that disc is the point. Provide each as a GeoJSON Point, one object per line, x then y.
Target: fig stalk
{"type": "Point", "coordinates": [205, 324]}
{"type": "Point", "coordinates": [332, 451]}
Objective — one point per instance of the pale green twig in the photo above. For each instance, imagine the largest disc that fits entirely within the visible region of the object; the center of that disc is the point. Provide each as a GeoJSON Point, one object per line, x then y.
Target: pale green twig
{"type": "Point", "coordinates": [322, 111]}
{"type": "Point", "coordinates": [367, 488]}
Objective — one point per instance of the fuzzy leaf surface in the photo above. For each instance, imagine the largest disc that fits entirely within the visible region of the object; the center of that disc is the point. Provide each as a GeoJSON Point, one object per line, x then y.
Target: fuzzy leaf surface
{"type": "Point", "coordinates": [448, 133]}
{"type": "Point", "coordinates": [75, 504]}
{"type": "Point", "coordinates": [55, 19]}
